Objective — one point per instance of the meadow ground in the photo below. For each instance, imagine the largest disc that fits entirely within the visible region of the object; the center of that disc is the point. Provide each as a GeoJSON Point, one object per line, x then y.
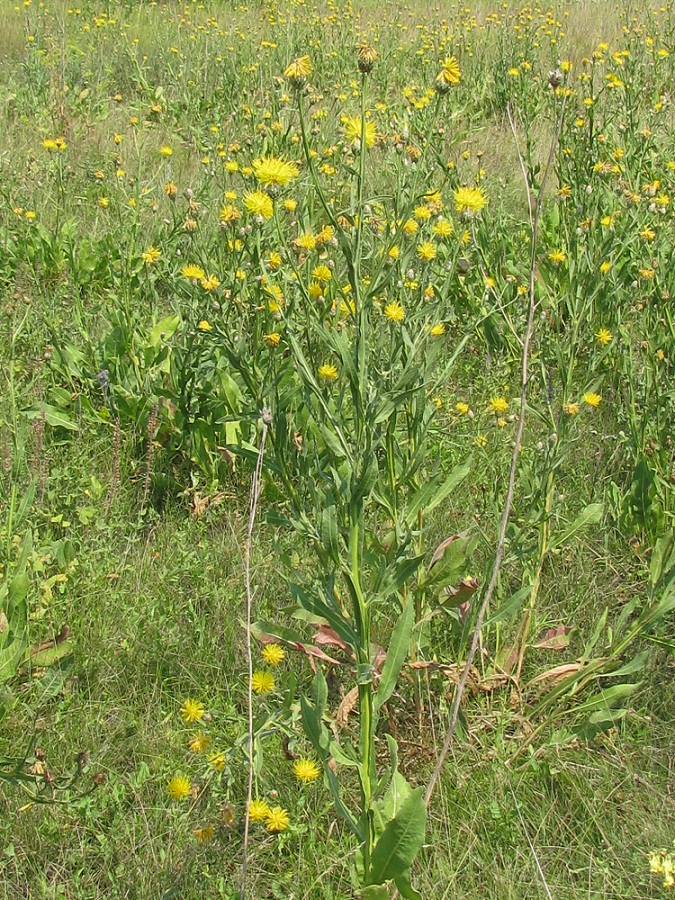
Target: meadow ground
{"type": "Point", "coordinates": [188, 235]}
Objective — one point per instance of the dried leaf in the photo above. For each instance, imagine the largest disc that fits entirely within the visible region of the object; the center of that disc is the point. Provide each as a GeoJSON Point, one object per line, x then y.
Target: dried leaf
{"type": "Point", "coordinates": [555, 638]}
{"type": "Point", "coordinates": [347, 705]}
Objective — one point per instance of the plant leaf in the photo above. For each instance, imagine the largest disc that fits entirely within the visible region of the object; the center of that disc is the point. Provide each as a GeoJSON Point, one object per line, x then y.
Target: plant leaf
{"type": "Point", "coordinates": [400, 841]}
{"type": "Point", "coordinates": [396, 653]}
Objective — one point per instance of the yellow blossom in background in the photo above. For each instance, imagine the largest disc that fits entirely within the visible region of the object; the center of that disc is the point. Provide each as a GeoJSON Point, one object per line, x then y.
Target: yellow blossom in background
{"type": "Point", "coordinates": [322, 273]}
{"type": "Point", "coordinates": [557, 256]}
{"type": "Point", "coordinates": [592, 399]}
{"type": "Point", "coordinates": [150, 256]}
{"type": "Point", "coordinates": [449, 76]}
{"type": "Point", "coordinates": [298, 71]}
{"type": "Point", "coordinates": [306, 770]}
{"type": "Point", "coordinates": [263, 682]}
{"type": "Point", "coordinates": [170, 189]}
{"type": "Point", "coordinates": [442, 228]}
{"type": "Point", "coordinates": [328, 372]}
{"type": "Point", "coordinates": [394, 312]}
{"type": "Point", "coordinates": [165, 150]}
{"type": "Point", "coordinates": [462, 407]}
{"type": "Point", "coordinates": [605, 267]}
{"type": "Point", "coordinates": [469, 200]}
{"type": "Point", "coordinates": [191, 711]}
{"type": "Point", "coordinates": [426, 251]}
{"type": "Point", "coordinates": [258, 810]}
{"type": "Point", "coordinates": [571, 408]}
{"type": "Point", "coordinates": [274, 260]}
{"type": "Point", "coordinates": [274, 172]}
{"type": "Point", "coordinates": [437, 330]}
{"type": "Point", "coordinates": [499, 404]}
{"type": "Point", "coordinates": [229, 213]}
{"type": "Point", "coordinates": [193, 272]}
{"type": "Point", "coordinates": [273, 654]}
{"type": "Point", "coordinates": [351, 127]}
{"type": "Point", "coordinates": [647, 233]}
{"type": "Point", "coordinates": [204, 325]}
{"type": "Point", "coordinates": [199, 742]}
{"type": "Point", "coordinates": [277, 819]}
{"type": "Point", "coordinates": [210, 283]}
{"type": "Point", "coordinates": [179, 787]}
{"type": "Point", "coordinates": [290, 204]}
{"type": "Point", "coordinates": [305, 241]}
{"type": "Point", "coordinates": [258, 203]}
{"type": "Point", "coordinates": [603, 336]}
{"type": "Point", "coordinates": [204, 834]}
{"type": "Point", "coordinates": [217, 760]}
{"type": "Point", "coordinates": [273, 339]}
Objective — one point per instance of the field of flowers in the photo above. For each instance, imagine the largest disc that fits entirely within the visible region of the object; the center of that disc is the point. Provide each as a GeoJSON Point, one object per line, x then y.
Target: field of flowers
{"type": "Point", "coordinates": [337, 552]}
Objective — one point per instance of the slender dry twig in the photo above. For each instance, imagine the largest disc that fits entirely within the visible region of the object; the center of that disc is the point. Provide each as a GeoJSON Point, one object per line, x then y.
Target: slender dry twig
{"type": "Point", "coordinates": [534, 206]}
{"type": "Point", "coordinates": [256, 484]}
{"type": "Point", "coordinates": [531, 846]}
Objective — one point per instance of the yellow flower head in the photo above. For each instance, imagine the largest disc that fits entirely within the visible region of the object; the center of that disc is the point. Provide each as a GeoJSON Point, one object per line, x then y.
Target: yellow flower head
{"type": "Point", "coordinates": [273, 172]}
{"type": "Point", "coordinates": [499, 404]}
{"type": "Point", "coordinates": [328, 372]}
{"type": "Point", "coordinates": [258, 811]}
{"type": "Point", "coordinates": [274, 260]}
{"type": "Point", "coordinates": [571, 408]}
{"type": "Point", "coordinates": [603, 336]}
{"type": "Point", "coordinates": [366, 59]}
{"type": "Point", "coordinates": [204, 834]}
{"type": "Point", "coordinates": [199, 742]}
{"type": "Point", "coordinates": [193, 272]}
{"type": "Point", "coordinates": [426, 251]}
{"type": "Point", "coordinates": [272, 339]}
{"type": "Point", "coordinates": [165, 150]}
{"type": "Point", "coordinates": [462, 408]}
{"type": "Point", "coordinates": [469, 200]}
{"type": "Point", "coordinates": [277, 819]}
{"type": "Point", "coordinates": [394, 312]}
{"type": "Point", "coordinates": [449, 76]}
{"type": "Point", "coordinates": [298, 71]}
{"type": "Point", "coordinates": [305, 241]}
{"type": "Point", "coordinates": [259, 204]}
{"type": "Point", "coordinates": [150, 256]}
{"type": "Point", "coordinates": [322, 273]}
{"type": "Point", "coordinates": [204, 325]}
{"type": "Point", "coordinates": [592, 399]}
{"type": "Point", "coordinates": [191, 711]}
{"type": "Point", "coordinates": [273, 654]}
{"type": "Point", "coordinates": [179, 787]}
{"type": "Point", "coordinates": [210, 284]}
{"type": "Point", "coordinates": [262, 682]}
{"type": "Point", "coordinates": [437, 330]}
{"type": "Point", "coordinates": [557, 256]}
{"type": "Point", "coordinates": [306, 770]}
{"type": "Point", "coordinates": [351, 126]}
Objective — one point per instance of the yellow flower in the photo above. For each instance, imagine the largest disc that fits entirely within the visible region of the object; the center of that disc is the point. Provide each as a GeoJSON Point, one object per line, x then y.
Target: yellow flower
{"type": "Point", "coordinates": [170, 189]}
{"type": "Point", "coordinates": [410, 227]}
{"type": "Point", "coordinates": [274, 172]}
{"type": "Point", "coordinates": [277, 819]}
{"type": "Point", "coordinates": [272, 339]}
{"type": "Point", "coordinates": [165, 150]}
{"type": "Point", "coordinates": [328, 372]}
{"type": "Point", "coordinates": [273, 654]}
{"type": "Point", "coordinates": [274, 260]}
{"type": "Point", "coordinates": [179, 787]}
{"type": "Point", "coordinates": [394, 312]}
{"type": "Point", "coordinates": [306, 770]}
{"type": "Point", "coordinates": [104, 202]}
{"type": "Point", "coordinates": [258, 203]}
{"type": "Point", "coordinates": [290, 204]}
{"type": "Point", "coordinates": [193, 272]}
{"type": "Point", "coordinates": [262, 682]}
{"type": "Point", "coordinates": [229, 213]}
{"type": "Point", "coordinates": [426, 251]}
{"type": "Point", "coordinates": [203, 325]}
{"type": "Point", "coordinates": [603, 336]}
{"type": "Point", "coordinates": [298, 71]}
{"type": "Point", "coordinates": [469, 200]}
{"type": "Point", "coordinates": [499, 404]}
{"type": "Point", "coordinates": [151, 255]}
{"type": "Point", "coordinates": [366, 59]}
{"type": "Point", "coordinates": [351, 126]}
{"type": "Point", "coordinates": [514, 72]}
{"type": "Point", "coordinates": [204, 834]}
{"type": "Point", "coordinates": [258, 810]}
{"type": "Point", "coordinates": [199, 742]}
{"type": "Point", "coordinates": [557, 256]}
{"type": "Point", "coordinates": [191, 711]}
{"type": "Point", "coordinates": [605, 267]}
{"type": "Point", "coordinates": [49, 144]}
{"type": "Point", "coordinates": [442, 228]}
{"type": "Point", "coordinates": [592, 399]}
{"type": "Point", "coordinates": [305, 241]}
{"type": "Point", "coordinates": [322, 273]}
{"type": "Point", "coordinates": [210, 283]}
{"type": "Point", "coordinates": [647, 233]}
{"type": "Point", "coordinates": [217, 760]}
{"type": "Point", "coordinates": [571, 408]}
{"type": "Point", "coordinates": [437, 330]}
{"type": "Point", "coordinates": [449, 76]}
{"type": "Point", "coordinates": [462, 408]}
